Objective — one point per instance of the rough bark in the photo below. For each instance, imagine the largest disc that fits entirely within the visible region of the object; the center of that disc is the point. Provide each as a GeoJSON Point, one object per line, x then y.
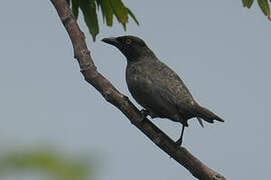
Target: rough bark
{"type": "Point", "coordinates": [112, 95]}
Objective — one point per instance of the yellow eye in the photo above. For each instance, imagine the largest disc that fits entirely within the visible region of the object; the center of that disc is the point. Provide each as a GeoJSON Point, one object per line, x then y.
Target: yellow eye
{"type": "Point", "coordinates": [128, 41]}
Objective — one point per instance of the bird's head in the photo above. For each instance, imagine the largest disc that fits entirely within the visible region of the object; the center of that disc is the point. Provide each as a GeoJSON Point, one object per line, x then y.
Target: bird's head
{"type": "Point", "coordinates": [132, 47]}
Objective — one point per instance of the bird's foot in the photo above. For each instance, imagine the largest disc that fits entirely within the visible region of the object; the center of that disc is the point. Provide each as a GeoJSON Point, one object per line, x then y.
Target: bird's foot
{"type": "Point", "coordinates": [144, 113]}
{"type": "Point", "coordinates": [179, 142]}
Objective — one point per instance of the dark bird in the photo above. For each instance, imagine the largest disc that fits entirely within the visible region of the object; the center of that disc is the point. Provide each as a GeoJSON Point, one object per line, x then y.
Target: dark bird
{"type": "Point", "coordinates": [156, 87]}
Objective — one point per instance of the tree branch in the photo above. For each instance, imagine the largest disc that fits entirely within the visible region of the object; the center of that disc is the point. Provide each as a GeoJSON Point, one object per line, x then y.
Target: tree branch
{"type": "Point", "coordinates": [112, 95]}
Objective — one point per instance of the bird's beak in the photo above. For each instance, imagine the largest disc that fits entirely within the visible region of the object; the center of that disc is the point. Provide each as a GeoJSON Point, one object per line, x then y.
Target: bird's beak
{"type": "Point", "coordinates": [111, 40]}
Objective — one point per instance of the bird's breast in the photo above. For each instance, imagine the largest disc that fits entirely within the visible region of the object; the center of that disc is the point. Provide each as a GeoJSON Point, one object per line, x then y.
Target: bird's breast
{"type": "Point", "coordinates": [137, 79]}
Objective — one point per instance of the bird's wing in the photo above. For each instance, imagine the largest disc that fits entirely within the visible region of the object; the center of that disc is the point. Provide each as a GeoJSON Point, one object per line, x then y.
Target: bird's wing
{"type": "Point", "coordinates": [166, 79]}
{"type": "Point", "coordinates": [159, 89]}
{"type": "Point", "coordinates": [178, 99]}
{"type": "Point", "coordinates": [149, 93]}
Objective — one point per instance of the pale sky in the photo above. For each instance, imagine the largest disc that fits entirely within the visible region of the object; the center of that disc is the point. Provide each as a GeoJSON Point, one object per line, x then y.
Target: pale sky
{"type": "Point", "coordinates": [220, 49]}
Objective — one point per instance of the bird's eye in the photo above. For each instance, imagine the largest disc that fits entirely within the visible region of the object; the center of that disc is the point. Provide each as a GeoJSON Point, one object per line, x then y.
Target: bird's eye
{"type": "Point", "coordinates": [128, 41]}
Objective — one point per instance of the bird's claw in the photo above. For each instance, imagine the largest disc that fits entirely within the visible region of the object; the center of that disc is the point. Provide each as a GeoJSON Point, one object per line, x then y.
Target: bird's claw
{"type": "Point", "coordinates": [179, 142]}
{"type": "Point", "coordinates": [144, 113]}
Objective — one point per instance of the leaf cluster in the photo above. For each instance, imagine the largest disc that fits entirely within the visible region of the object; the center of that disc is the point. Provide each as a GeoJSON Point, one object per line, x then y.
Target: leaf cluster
{"type": "Point", "coordinates": [57, 165]}
{"type": "Point", "coordinates": [109, 8]}
{"type": "Point", "coordinates": [264, 5]}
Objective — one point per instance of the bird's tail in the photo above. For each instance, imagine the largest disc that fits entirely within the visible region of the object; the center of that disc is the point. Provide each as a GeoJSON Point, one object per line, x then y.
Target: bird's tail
{"type": "Point", "coordinates": [207, 115]}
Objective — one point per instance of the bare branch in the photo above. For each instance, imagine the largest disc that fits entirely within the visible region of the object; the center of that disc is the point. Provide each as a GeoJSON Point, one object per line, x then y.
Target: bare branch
{"type": "Point", "coordinates": [112, 95]}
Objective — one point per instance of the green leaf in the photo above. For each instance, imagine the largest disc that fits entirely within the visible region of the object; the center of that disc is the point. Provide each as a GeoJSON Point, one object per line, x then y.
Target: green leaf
{"type": "Point", "coordinates": [88, 8]}
{"type": "Point", "coordinates": [120, 11]}
{"type": "Point", "coordinates": [265, 8]}
{"type": "Point", "coordinates": [133, 16]}
{"type": "Point", "coordinates": [75, 8]}
{"type": "Point", "coordinates": [109, 8]}
{"type": "Point", "coordinates": [247, 3]}
{"type": "Point", "coordinates": [107, 12]}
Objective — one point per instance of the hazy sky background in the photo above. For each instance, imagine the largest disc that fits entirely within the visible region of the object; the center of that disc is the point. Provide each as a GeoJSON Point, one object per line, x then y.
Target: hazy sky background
{"type": "Point", "coordinates": [220, 49]}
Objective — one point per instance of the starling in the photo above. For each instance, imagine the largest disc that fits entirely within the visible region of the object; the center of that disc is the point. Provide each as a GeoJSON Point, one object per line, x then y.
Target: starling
{"type": "Point", "coordinates": [156, 87]}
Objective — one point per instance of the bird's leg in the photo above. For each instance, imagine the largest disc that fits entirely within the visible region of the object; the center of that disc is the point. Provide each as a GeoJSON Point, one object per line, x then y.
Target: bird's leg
{"type": "Point", "coordinates": [180, 140]}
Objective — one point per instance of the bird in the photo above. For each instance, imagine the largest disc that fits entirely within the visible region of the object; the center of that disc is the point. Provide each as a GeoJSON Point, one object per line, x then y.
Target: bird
{"type": "Point", "coordinates": [156, 87]}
